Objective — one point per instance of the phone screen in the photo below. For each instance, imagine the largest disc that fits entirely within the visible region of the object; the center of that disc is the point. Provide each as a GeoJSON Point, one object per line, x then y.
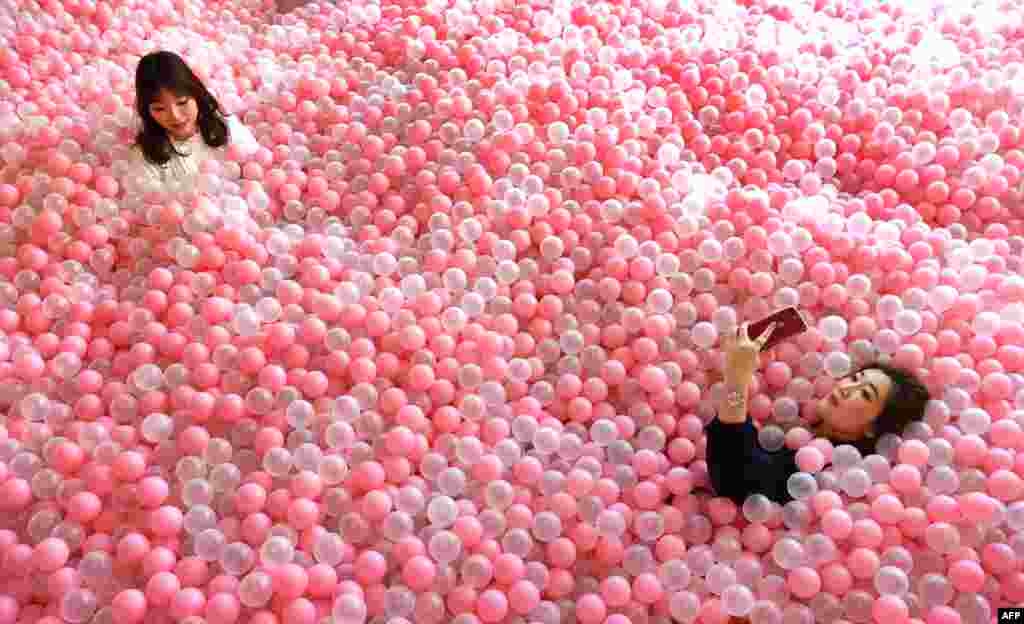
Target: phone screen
{"type": "Point", "coordinates": [790, 322]}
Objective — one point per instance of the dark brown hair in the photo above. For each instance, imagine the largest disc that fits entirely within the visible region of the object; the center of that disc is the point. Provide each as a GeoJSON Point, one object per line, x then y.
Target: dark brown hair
{"type": "Point", "coordinates": [906, 403]}
{"type": "Point", "coordinates": [166, 70]}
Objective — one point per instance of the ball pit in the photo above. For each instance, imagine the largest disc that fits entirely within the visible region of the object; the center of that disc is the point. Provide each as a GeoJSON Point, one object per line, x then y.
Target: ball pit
{"type": "Point", "coordinates": [442, 349]}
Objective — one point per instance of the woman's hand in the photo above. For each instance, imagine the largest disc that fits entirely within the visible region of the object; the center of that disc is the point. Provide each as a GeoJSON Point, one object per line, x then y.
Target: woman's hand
{"type": "Point", "coordinates": [741, 355]}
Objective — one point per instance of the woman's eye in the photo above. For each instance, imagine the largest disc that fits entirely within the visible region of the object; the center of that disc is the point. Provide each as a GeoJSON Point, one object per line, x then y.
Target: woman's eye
{"type": "Point", "coordinates": [867, 395]}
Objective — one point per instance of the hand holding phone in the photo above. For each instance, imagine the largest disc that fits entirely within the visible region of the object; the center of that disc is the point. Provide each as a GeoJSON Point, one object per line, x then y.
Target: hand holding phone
{"type": "Point", "coordinates": [789, 322]}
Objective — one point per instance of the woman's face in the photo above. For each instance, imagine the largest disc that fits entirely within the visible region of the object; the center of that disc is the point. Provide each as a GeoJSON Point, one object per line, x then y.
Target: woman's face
{"type": "Point", "coordinates": [848, 412]}
{"type": "Point", "coordinates": [177, 114]}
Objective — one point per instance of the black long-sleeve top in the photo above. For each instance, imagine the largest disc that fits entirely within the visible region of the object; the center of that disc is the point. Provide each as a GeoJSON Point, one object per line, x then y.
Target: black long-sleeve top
{"type": "Point", "coordinates": [738, 465]}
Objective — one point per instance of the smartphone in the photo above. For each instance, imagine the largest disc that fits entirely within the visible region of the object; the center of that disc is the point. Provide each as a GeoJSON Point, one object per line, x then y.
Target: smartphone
{"type": "Point", "coordinates": [789, 322]}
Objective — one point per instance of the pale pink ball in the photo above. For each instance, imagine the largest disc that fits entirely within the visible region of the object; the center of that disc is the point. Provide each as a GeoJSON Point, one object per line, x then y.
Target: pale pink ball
{"type": "Point", "coordinates": [300, 611]}
{"type": "Point", "coordinates": [9, 609]}
{"type": "Point", "coordinates": [979, 507]}
{"type": "Point", "coordinates": [797, 437]}
{"type": "Point", "coordinates": [186, 602]}
{"type": "Point", "coordinates": [419, 572]}
{"type": "Point", "coordinates": [590, 609]}
{"type": "Point", "coordinates": [804, 582]}
{"type": "Point", "coordinates": [616, 591]}
{"type": "Point", "coordinates": [223, 608]}
{"type": "Point", "coordinates": [887, 509]}
{"type": "Point", "coordinates": [161, 588]}
{"type": "Point", "coordinates": [492, 606]}
{"type": "Point", "coordinates": [290, 580]}
{"type": "Point", "coordinates": [905, 478]}
{"type": "Point", "coordinates": [50, 554]}
{"type": "Point", "coordinates": [943, 615]}
{"type": "Point", "coordinates": [967, 576]}
{"type": "Point", "coordinates": [836, 578]}
{"type": "Point", "coordinates": [890, 610]}
{"type": "Point", "coordinates": [523, 597]}
{"type": "Point", "coordinates": [129, 606]}
{"type": "Point", "coordinates": [914, 452]}
{"type": "Point", "coordinates": [837, 524]}
{"type": "Point", "coordinates": [810, 459]}
{"type": "Point", "coordinates": [647, 589]}
{"type": "Point", "coordinates": [862, 562]}
{"type": "Point", "coordinates": [15, 494]}
{"type": "Point", "coordinates": [152, 492]}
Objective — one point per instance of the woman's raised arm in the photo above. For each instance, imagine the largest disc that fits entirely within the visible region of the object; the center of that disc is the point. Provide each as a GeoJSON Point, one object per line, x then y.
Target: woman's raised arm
{"type": "Point", "coordinates": [737, 464]}
{"type": "Point", "coordinates": [741, 361]}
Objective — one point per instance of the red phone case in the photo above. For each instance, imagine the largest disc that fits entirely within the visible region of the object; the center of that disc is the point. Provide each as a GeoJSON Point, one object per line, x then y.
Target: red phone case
{"type": "Point", "coordinates": [790, 323]}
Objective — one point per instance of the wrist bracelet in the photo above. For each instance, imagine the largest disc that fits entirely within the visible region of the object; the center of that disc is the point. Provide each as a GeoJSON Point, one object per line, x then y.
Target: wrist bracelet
{"type": "Point", "coordinates": [736, 399]}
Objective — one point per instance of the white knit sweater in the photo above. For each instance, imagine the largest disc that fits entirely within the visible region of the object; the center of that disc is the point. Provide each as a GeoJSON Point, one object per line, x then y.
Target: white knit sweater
{"type": "Point", "coordinates": [180, 172]}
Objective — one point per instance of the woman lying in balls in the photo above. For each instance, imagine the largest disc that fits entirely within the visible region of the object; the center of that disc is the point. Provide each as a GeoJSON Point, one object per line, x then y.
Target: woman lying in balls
{"type": "Point", "coordinates": [865, 405]}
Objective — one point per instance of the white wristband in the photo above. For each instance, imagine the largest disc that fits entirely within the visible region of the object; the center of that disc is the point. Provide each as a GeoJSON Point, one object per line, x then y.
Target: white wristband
{"type": "Point", "coordinates": [736, 399]}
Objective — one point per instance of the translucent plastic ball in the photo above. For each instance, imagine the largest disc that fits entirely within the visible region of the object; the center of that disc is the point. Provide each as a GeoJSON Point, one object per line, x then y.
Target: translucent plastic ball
{"type": "Point", "coordinates": [788, 553]}
{"type": "Point", "coordinates": [771, 438]}
{"type": "Point", "coordinates": [833, 328]}
{"type": "Point", "coordinates": [277, 551]}
{"type": "Point", "coordinates": [237, 558]}
{"type": "Point", "coordinates": [444, 547]}
{"type": "Point", "coordinates": [704, 335]}
{"type": "Point", "coordinates": [255, 589]}
{"type": "Point", "coordinates": [908, 322]}
{"type": "Point", "coordinates": [845, 457]}
{"type": "Point", "coordinates": [801, 485]}
{"type": "Point", "coordinates": [442, 511]}
{"type": "Point", "coordinates": [757, 508]}
{"type": "Point", "coordinates": [974, 421]}
{"type": "Point", "coordinates": [821, 549]}
{"type": "Point", "coordinates": [78, 605]}
{"type": "Point", "coordinates": [855, 482]}
{"type": "Point", "coordinates": [892, 580]}
{"type": "Point", "coordinates": [838, 364]}
{"type": "Point", "coordinates": [547, 526]}
{"type": "Point", "coordinates": [684, 606]}
{"type": "Point", "coordinates": [934, 590]}
{"type": "Point", "coordinates": [674, 575]}
{"type": "Point", "coordinates": [738, 600]}
{"type": "Point", "coordinates": [719, 578]}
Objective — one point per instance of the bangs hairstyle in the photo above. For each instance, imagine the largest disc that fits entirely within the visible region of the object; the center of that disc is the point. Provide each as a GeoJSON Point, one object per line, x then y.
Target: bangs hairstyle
{"type": "Point", "coordinates": [166, 70]}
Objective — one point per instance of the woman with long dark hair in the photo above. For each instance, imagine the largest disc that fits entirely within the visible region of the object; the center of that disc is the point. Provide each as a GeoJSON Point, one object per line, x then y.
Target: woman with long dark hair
{"type": "Point", "coordinates": [182, 124]}
{"type": "Point", "coordinates": [877, 399]}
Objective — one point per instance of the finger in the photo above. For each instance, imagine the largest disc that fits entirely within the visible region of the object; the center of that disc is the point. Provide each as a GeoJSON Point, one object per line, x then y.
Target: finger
{"type": "Point", "coordinates": [763, 338]}
{"type": "Point", "coordinates": [743, 332]}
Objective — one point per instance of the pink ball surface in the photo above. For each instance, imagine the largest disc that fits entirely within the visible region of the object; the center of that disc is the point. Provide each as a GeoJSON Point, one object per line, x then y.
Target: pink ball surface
{"type": "Point", "coordinates": [129, 606]}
